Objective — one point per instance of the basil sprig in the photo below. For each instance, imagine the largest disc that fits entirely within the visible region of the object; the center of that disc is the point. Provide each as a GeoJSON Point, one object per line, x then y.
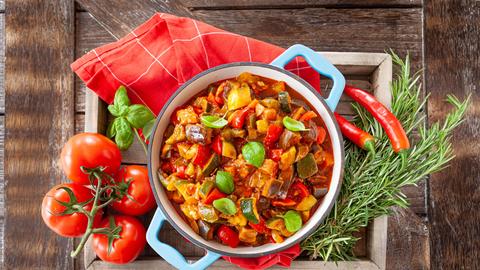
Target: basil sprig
{"type": "Point", "coordinates": [128, 117]}
{"type": "Point", "coordinates": [254, 153]}
{"type": "Point", "coordinates": [293, 125]}
{"type": "Point", "coordinates": [213, 121]}
{"type": "Point", "coordinates": [225, 205]}
{"type": "Point", "coordinates": [293, 221]}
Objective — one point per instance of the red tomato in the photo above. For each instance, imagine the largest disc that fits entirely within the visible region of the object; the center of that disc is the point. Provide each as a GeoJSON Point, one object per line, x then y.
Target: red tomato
{"type": "Point", "coordinates": [71, 225]}
{"type": "Point", "coordinates": [124, 249]}
{"type": "Point", "coordinates": [228, 236]}
{"type": "Point", "coordinates": [89, 150]}
{"type": "Point", "coordinates": [139, 189]}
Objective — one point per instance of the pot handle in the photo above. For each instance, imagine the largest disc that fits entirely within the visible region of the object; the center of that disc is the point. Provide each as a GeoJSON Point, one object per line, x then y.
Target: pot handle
{"type": "Point", "coordinates": [318, 63]}
{"type": "Point", "coordinates": [169, 253]}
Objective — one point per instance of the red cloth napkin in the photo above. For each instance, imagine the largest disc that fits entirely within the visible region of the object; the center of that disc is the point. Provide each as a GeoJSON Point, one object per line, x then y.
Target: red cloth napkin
{"type": "Point", "coordinates": [162, 54]}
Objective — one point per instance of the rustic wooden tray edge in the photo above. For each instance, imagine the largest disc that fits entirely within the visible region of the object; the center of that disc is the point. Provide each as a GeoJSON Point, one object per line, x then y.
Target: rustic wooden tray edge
{"type": "Point", "coordinates": [378, 66]}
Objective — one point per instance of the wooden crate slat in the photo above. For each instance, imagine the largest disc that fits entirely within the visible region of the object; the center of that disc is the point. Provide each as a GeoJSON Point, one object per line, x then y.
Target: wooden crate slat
{"type": "Point", "coordinates": [222, 265]}
{"type": "Point", "coordinates": [373, 246]}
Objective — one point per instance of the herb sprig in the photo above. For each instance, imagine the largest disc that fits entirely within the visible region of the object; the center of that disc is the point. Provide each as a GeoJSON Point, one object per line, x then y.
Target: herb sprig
{"type": "Point", "coordinates": [128, 119]}
{"type": "Point", "coordinates": [373, 181]}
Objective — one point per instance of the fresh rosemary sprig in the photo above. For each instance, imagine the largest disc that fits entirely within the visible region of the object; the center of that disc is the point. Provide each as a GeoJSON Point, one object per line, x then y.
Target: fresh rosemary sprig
{"type": "Point", "coordinates": [373, 181]}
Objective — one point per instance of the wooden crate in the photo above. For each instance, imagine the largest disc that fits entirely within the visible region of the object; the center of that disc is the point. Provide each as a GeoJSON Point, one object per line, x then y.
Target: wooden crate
{"type": "Point", "coordinates": [369, 71]}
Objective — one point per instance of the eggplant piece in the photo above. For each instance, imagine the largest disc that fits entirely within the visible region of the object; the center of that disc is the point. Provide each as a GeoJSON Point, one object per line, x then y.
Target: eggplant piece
{"type": "Point", "coordinates": [284, 100]}
{"type": "Point", "coordinates": [196, 133]}
{"type": "Point", "coordinates": [319, 192]}
{"type": "Point", "coordinates": [311, 134]}
{"type": "Point", "coordinates": [300, 103]}
{"type": "Point", "coordinates": [286, 176]}
{"type": "Point", "coordinates": [272, 188]}
{"type": "Point", "coordinates": [263, 204]}
{"type": "Point", "coordinates": [288, 139]}
{"type": "Point", "coordinates": [206, 229]}
{"type": "Point", "coordinates": [318, 179]}
{"type": "Point", "coordinates": [229, 133]}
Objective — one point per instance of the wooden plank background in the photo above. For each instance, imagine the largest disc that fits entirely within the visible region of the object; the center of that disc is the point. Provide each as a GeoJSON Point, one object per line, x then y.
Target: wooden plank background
{"type": "Point", "coordinates": [451, 61]}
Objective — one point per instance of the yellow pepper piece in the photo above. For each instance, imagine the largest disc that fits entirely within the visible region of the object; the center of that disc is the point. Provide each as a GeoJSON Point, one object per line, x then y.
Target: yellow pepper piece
{"type": "Point", "coordinates": [307, 203]}
{"type": "Point", "coordinates": [288, 158]}
{"type": "Point", "coordinates": [178, 135]}
{"type": "Point", "coordinates": [262, 126]}
{"type": "Point", "coordinates": [239, 97]}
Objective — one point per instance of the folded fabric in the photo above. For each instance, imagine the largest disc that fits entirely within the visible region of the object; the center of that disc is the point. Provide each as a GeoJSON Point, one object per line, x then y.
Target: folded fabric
{"type": "Point", "coordinates": [165, 52]}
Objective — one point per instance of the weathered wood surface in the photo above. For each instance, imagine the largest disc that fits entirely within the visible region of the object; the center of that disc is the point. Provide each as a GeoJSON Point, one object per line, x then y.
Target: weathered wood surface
{"type": "Point", "coordinates": [452, 61]}
{"type": "Point", "coordinates": [406, 229]}
{"type": "Point", "coordinates": [39, 94]}
{"type": "Point", "coordinates": [268, 4]}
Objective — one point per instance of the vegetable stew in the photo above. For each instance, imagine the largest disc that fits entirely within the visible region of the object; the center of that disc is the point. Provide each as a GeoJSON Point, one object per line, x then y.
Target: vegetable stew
{"type": "Point", "coordinates": [246, 161]}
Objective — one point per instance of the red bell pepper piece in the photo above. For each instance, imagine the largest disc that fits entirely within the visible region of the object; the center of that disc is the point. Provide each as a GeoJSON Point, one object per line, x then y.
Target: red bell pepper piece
{"type": "Point", "coordinates": [273, 134]}
{"type": "Point", "coordinates": [275, 154]}
{"type": "Point", "coordinates": [307, 116]}
{"type": "Point", "coordinates": [260, 227]}
{"type": "Point", "coordinates": [217, 144]}
{"type": "Point", "coordinates": [214, 195]}
{"type": "Point", "coordinates": [181, 171]}
{"type": "Point", "coordinates": [284, 203]}
{"type": "Point", "coordinates": [321, 135]}
{"type": "Point", "coordinates": [228, 236]}
{"type": "Point", "coordinates": [238, 117]}
{"type": "Point", "coordinates": [167, 167]}
{"type": "Point", "coordinates": [202, 156]}
{"type": "Point", "coordinates": [300, 189]}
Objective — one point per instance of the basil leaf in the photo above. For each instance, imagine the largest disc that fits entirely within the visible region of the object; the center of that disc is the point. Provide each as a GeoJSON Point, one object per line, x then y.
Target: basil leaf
{"type": "Point", "coordinates": [293, 221]}
{"type": "Point", "coordinates": [225, 205]}
{"type": "Point", "coordinates": [124, 133]}
{"type": "Point", "coordinates": [254, 153]}
{"type": "Point", "coordinates": [293, 125]}
{"type": "Point", "coordinates": [147, 129]}
{"type": "Point", "coordinates": [121, 97]}
{"type": "Point", "coordinates": [111, 129]}
{"type": "Point", "coordinates": [139, 115]}
{"type": "Point", "coordinates": [213, 121]}
{"type": "Point", "coordinates": [224, 182]}
{"type": "Point", "coordinates": [117, 111]}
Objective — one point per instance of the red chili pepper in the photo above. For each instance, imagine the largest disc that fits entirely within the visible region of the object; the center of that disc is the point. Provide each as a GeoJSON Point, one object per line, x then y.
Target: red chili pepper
{"type": "Point", "coordinates": [321, 135]}
{"type": "Point", "coordinates": [389, 122]}
{"type": "Point", "coordinates": [228, 236]}
{"type": "Point", "coordinates": [217, 144]}
{"type": "Point", "coordinates": [202, 156]}
{"type": "Point", "coordinates": [359, 137]}
{"type": "Point", "coordinates": [214, 195]}
{"type": "Point", "coordinates": [300, 189]}
{"type": "Point", "coordinates": [238, 117]}
{"type": "Point", "coordinates": [275, 154]}
{"type": "Point", "coordinates": [273, 134]}
{"type": "Point", "coordinates": [285, 202]}
{"type": "Point", "coordinates": [260, 227]}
